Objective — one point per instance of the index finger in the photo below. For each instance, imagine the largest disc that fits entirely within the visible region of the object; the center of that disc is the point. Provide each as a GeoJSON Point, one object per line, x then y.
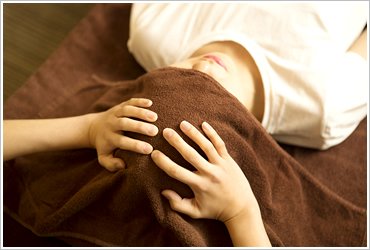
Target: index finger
{"type": "Point", "coordinates": [138, 102]}
{"type": "Point", "coordinates": [174, 170]}
{"type": "Point", "coordinates": [200, 140]}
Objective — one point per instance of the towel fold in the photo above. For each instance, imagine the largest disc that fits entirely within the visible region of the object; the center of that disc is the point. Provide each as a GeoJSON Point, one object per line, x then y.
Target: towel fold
{"type": "Point", "coordinates": [69, 195]}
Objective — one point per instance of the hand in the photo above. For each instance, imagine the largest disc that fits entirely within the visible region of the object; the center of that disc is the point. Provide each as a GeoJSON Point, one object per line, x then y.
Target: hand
{"type": "Point", "coordinates": [107, 131]}
{"type": "Point", "coordinates": [221, 191]}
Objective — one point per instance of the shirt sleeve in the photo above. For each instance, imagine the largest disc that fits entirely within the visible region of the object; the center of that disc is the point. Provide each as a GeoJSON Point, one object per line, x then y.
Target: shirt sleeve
{"type": "Point", "coordinates": [345, 105]}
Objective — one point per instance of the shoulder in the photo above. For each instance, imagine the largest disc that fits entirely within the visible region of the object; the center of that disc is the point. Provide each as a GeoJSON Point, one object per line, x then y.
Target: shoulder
{"type": "Point", "coordinates": [323, 113]}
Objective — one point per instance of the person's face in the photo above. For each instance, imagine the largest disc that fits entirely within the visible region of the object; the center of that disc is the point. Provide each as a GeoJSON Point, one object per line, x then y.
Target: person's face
{"type": "Point", "coordinates": [220, 67]}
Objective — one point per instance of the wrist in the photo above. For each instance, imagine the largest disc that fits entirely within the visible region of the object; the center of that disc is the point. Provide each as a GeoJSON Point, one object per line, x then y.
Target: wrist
{"type": "Point", "coordinates": [247, 213]}
{"type": "Point", "coordinates": [91, 120]}
{"type": "Point", "coordinates": [246, 229]}
{"type": "Point", "coordinates": [73, 133]}
{"type": "Point", "coordinates": [249, 206]}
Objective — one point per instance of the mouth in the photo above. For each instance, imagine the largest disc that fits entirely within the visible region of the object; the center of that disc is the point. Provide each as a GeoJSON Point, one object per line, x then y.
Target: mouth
{"type": "Point", "coordinates": [217, 60]}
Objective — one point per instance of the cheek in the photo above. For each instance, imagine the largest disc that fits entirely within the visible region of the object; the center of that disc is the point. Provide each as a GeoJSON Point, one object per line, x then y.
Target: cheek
{"type": "Point", "coordinates": [234, 87]}
{"type": "Point", "coordinates": [218, 73]}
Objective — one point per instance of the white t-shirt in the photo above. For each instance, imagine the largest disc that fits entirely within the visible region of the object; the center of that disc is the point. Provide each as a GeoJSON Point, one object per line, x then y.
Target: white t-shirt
{"type": "Point", "coordinates": [315, 92]}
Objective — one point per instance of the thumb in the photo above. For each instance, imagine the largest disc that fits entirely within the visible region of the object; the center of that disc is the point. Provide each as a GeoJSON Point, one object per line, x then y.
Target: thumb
{"type": "Point", "coordinates": [110, 163]}
{"type": "Point", "coordinates": [182, 205]}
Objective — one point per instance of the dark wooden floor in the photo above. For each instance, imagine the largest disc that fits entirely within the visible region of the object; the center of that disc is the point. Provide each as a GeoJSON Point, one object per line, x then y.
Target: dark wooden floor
{"type": "Point", "coordinates": [31, 33]}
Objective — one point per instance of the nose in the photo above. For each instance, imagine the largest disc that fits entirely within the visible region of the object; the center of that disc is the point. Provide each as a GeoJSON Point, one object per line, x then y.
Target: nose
{"type": "Point", "coordinates": [203, 66]}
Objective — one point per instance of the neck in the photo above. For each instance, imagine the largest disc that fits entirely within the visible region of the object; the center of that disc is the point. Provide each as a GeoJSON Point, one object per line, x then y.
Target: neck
{"type": "Point", "coordinates": [248, 70]}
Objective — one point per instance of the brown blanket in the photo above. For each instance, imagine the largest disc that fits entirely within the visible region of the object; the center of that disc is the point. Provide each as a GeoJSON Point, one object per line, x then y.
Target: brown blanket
{"type": "Point", "coordinates": [69, 195]}
{"type": "Point", "coordinates": [331, 183]}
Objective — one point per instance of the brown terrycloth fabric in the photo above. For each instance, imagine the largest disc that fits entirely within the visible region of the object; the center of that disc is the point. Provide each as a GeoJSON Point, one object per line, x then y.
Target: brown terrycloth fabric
{"type": "Point", "coordinates": [331, 185]}
{"type": "Point", "coordinates": [68, 194]}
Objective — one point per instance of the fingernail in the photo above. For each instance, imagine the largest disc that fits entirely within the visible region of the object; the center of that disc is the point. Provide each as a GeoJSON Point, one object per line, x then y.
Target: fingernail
{"type": "Point", "coordinates": [155, 154]}
{"type": "Point", "coordinates": [148, 102]}
{"type": "Point", "coordinates": [164, 194]}
{"type": "Point", "coordinates": [185, 125]}
{"type": "Point", "coordinates": [167, 133]}
{"type": "Point", "coordinates": [147, 149]}
{"type": "Point", "coordinates": [118, 166]}
{"type": "Point", "coordinates": [152, 130]}
{"type": "Point", "coordinates": [151, 115]}
{"type": "Point", "coordinates": [206, 126]}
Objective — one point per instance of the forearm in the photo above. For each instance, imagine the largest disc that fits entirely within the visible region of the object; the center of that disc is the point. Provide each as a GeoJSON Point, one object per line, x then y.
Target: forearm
{"type": "Point", "coordinates": [22, 137]}
{"type": "Point", "coordinates": [247, 229]}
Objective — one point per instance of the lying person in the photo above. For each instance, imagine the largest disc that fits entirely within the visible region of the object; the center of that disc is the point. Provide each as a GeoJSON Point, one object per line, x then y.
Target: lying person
{"type": "Point", "coordinates": [290, 64]}
{"type": "Point", "coordinates": [230, 64]}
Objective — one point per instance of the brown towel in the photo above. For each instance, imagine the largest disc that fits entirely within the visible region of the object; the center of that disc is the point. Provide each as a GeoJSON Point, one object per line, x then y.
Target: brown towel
{"type": "Point", "coordinates": [69, 195]}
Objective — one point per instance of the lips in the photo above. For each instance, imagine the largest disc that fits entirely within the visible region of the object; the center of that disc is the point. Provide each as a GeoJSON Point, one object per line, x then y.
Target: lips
{"type": "Point", "coordinates": [217, 60]}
